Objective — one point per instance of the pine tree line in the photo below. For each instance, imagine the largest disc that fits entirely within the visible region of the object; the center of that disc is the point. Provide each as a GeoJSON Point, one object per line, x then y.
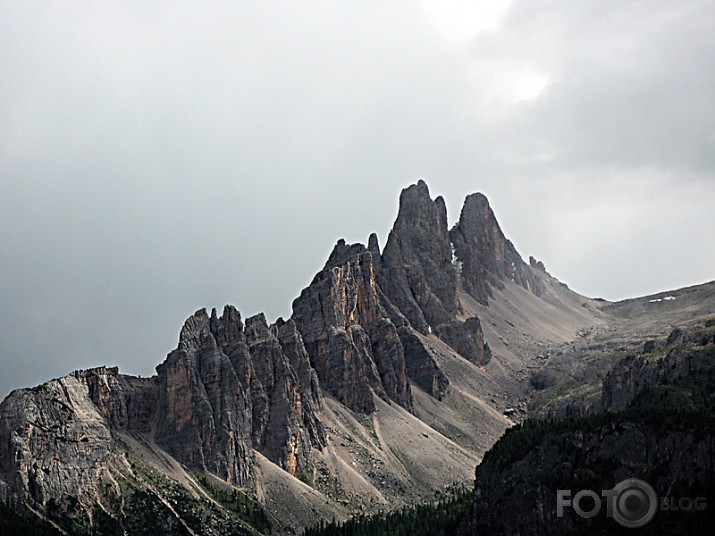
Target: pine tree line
{"type": "Point", "coordinates": [433, 519]}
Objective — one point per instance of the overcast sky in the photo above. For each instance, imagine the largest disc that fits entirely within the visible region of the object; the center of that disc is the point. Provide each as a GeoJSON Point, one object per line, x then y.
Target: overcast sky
{"type": "Point", "coordinates": [159, 157]}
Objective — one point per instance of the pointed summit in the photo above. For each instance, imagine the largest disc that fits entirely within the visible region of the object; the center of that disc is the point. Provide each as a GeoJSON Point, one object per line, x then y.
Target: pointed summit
{"type": "Point", "coordinates": [487, 256]}
{"type": "Point", "coordinates": [416, 207]}
{"type": "Point", "coordinates": [416, 272]}
{"type": "Point", "coordinates": [373, 246]}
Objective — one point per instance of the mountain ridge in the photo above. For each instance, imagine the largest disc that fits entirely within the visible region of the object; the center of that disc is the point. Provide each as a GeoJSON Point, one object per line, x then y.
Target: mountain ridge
{"type": "Point", "coordinates": [397, 370]}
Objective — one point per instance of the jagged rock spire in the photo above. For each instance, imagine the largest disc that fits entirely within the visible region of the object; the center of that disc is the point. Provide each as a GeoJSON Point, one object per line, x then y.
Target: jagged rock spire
{"type": "Point", "coordinates": [417, 274]}
{"type": "Point", "coordinates": [487, 256]}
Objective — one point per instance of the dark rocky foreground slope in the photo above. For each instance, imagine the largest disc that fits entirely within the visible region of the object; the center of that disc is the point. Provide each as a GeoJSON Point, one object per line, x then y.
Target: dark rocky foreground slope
{"type": "Point", "coordinates": [396, 372]}
{"type": "Point", "coordinates": [655, 421]}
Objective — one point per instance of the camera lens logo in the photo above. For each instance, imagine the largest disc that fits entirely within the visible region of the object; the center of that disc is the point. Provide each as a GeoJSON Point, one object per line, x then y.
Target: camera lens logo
{"type": "Point", "coordinates": [634, 503]}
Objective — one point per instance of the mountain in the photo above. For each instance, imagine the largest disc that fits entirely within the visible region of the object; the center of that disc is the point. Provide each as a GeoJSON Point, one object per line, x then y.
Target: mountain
{"type": "Point", "coordinates": [397, 371]}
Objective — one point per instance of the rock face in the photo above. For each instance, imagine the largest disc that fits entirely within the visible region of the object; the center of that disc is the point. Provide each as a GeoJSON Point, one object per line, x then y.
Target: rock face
{"type": "Point", "coordinates": [467, 339]}
{"type": "Point", "coordinates": [353, 345]}
{"type": "Point", "coordinates": [373, 246]}
{"type": "Point", "coordinates": [360, 329]}
{"type": "Point", "coordinates": [56, 439]}
{"type": "Point", "coordinates": [628, 378]}
{"type": "Point", "coordinates": [225, 390]}
{"type": "Point", "coordinates": [417, 273]}
{"type": "Point", "coordinates": [292, 345]}
{"type": "Point", "coordinates": [486, 256]}
{"type": "Point", "coordinates": [127, 402]}
{"type": "Point", "coordinates": [422, 367]}
{"type": "Point", "coordinates": [285, 424]}
{"type": "Point", "coordinates": [204, 411]}
{"type": "Point", "coordinates": [74, 460]}
{"type": "Point", "coordinates": [678, 359]}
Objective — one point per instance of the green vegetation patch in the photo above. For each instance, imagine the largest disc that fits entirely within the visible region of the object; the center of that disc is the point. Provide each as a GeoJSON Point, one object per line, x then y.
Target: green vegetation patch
{"type": "Point", "coordinates": [237, 502]}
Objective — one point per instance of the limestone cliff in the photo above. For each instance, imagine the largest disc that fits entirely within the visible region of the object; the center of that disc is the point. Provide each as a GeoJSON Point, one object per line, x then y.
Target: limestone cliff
{"type": "Point", "coordinates": [353, 344]}
{"type": "Point", "coordinates": [225, 390]}
{"type": "Point", "coordinates": [419, 275]}
{"type": "Point", "coordinates": [57, 439]}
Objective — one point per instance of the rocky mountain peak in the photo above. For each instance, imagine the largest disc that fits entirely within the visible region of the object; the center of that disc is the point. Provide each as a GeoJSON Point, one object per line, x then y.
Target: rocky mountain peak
{"type": "Point", "coordinates": [373, 246]}
{"type": "Point", "coordinates": [477, 204]}
{"type": "Point", "coordinates": [225, 390]}
{"type": "Point", "coordinates": [417, 209]}
{"type": "Point", "coordinates": [343, 253]}
{"type": "Point", "coordinates": [416, 273]}
{"type": "Point", "coordinates": [537, 264]}
{"type": "Point", "coordinates": [200, 328]}
{"type": "Point", "coordinates": [257, 329]}
{"type": "Point", "coordinates": [441, 207]}
{"type": "Point", "coordinates": [195, 329]}
{"type": "Point", "coordinates": [228, 328]}
{"type": "Point", "coordinates": [487, 256]}
{"type": "Point", "coordinates": [373, 325]}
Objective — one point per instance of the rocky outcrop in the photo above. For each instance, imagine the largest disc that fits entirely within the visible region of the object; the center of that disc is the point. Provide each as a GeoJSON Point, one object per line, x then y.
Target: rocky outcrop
{"type": "Point", "coordinates": [629, 377]}
{"type": "Point", "coordinates": [373, 246]}
{"type": "Point", "coordinates": [352, 342]}
{"type": "Point", "coordinates": [589, 457]}
{"type": "Point", "coordinates": [128, 402]}
{"type": "Point", "coordinates": [686, 352]}
{"type": "Point", "coordinates": [422, 368]}
{"type": "Point", "coordinates": [73, 462]}
{"type": "Point", "coordinates": [224, 391]}
{"type": "Point", "coordinates": [56, 439]}
{"type": "Point", "coordinates": [651, 346]}
{"type": "Point", "coordinates": [417, 274]}
{"type": "Point", "coordinates": [537, 265]}
{"type": "Point", "coordinates": [486, 256]}
{"type": "Point", "coordinates": [292, 344]}
{"type": "Point", "coordinates": [467, 339]}
{"type": "Point", "coordinates": [360, 341]}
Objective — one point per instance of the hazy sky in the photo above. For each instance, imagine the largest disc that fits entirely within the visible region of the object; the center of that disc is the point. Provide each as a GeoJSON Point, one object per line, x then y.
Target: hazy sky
{"type": "Point", "coordinates": [158, 157]}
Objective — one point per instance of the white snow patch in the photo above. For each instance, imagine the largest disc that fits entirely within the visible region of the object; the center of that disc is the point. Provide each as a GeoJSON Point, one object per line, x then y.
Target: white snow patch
{"type": "Point", "coordinates": [667, 298]}
{"type": "Point", "coordinates": [455, 261]}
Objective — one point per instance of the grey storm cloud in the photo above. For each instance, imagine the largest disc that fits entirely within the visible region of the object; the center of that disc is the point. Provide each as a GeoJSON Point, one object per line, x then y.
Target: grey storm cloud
{"type": "Point", "coordinates": [159, 157]}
